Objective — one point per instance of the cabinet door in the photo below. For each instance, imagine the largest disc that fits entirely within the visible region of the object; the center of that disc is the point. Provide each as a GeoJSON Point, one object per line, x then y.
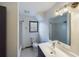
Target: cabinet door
{"type": "Point", "coordinates": [2, 31]}
{"type": "Point", "coordinates": [40, 53]}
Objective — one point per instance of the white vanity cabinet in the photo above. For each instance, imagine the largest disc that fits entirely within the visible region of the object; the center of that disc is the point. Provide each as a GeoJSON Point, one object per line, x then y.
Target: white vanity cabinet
{"type": "Point", "coordinates": [47, 50]}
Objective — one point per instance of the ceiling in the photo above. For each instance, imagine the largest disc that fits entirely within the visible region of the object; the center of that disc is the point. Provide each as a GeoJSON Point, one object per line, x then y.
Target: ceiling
{"type": "Point", "coordinates": [35, 7]}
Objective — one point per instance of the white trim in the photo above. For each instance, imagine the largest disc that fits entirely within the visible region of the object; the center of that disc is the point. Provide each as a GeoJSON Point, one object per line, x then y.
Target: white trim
{"type": "Point", "coordinates": [68, 29]}
{"type": "Point", "coordinates": [18, 50]}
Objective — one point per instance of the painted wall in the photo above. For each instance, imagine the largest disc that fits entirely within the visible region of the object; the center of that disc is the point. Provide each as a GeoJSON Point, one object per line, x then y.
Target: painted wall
{"type": "Point", "coordinates": [27, 37]}
{"type": "Point", "coordinates": [11, 28]}
{"type": "Point", "coordinates": [26, 40]}
{"type": "Point", "coordinates": [43, 29]}
{"type": "Point", "coordinates": [75, 32]}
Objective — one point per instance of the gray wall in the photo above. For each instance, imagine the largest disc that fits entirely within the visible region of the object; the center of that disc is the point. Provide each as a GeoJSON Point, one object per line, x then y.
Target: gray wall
{"type": "Point", "coordinates": [43, 29]}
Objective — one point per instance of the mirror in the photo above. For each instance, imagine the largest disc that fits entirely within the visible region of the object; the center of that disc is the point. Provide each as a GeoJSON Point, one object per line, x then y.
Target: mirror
{"type": "Point", "coordinates": [59, 28]}
{"type": "Point", "coordinates": [33, 26]}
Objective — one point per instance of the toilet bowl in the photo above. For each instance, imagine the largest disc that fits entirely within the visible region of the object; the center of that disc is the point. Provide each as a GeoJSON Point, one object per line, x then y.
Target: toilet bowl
{"type": "Point", "coordinates": [35, 45]}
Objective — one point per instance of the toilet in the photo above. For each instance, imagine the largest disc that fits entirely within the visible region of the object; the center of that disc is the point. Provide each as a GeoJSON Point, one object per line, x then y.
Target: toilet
{"type": "Point", "coordinates": [34, 43]}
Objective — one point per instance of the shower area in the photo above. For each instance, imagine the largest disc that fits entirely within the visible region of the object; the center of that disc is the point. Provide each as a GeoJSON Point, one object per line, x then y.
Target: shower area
{"type": "Point", "coordinates": [58, 28]}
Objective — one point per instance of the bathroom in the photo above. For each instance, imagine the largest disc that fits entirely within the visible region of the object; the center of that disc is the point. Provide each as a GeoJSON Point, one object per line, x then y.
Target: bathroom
{"type": "Point", "coordinates": [41, 27]}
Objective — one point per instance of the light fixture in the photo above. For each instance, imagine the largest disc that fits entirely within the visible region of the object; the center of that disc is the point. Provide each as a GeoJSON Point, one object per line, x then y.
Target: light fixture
{"type": "Point", "coordinates": [63, 10]}
{"type": "Point", "coordinates": [74, 4]}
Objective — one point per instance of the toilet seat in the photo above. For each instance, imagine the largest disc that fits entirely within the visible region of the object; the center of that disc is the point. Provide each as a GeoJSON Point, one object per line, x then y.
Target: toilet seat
{"type": "Point", "coordinates": [35, 44]}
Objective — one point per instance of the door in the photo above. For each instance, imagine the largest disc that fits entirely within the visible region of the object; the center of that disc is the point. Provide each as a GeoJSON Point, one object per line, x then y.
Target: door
{"type": "Point", "coordinates": [2, 31]}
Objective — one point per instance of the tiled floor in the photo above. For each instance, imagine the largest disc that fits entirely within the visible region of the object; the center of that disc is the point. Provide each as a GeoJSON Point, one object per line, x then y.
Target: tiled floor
{"type": "Point", "coordinates": [29, 52]}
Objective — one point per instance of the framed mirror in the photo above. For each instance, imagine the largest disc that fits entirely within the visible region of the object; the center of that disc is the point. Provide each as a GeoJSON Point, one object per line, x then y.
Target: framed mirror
{"type": "Point", "coordinates": [60, 28]}
{"type": "Point", "coordinates": [33, 26]}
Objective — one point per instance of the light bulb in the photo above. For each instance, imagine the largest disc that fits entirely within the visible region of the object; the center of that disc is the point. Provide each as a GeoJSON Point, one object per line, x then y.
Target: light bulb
{"type": "Point", "coordinates": [65, 9]}
{"type": "Point", "coordinates": [61, 12]}
{"type": "Point", "coordinates": [57, 13]}
{"type": "Point", "coordinates": [69, 11]}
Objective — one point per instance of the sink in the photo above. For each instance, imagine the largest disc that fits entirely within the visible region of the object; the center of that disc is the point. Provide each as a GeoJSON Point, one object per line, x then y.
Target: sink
{"type": "Point", "coordinates": [50, 51]}
{"type": "Point", "coordinates": [56, 52]}
{"type": "Point", "coordinates": [53, 53]}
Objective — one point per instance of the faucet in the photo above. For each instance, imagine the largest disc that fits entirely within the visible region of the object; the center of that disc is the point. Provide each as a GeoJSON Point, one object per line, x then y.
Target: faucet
{"type": "Point", "coordinates": [53, 49]}
{"type": "Point", "coordinates": [53, 44]}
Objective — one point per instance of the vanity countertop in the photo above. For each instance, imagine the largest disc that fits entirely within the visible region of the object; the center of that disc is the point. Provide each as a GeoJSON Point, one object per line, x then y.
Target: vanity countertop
{"type": "Point", "coordinates": [50, 52]}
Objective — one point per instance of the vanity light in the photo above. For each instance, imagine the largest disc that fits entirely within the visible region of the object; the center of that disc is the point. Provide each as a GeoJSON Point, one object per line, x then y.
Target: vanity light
{"type": "Point", "coordinates": [63, 10]}
{"type": "Point", "coordinates": [59, 13]}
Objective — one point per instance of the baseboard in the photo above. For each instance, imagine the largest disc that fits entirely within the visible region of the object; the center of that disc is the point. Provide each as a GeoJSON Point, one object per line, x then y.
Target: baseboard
{"type": "Point", "coordinates": [26, 47]}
